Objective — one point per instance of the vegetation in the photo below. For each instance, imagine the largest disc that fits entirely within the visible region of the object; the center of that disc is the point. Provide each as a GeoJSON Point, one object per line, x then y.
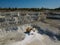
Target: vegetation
{"type": "Point", "coordinates": [29, 9]}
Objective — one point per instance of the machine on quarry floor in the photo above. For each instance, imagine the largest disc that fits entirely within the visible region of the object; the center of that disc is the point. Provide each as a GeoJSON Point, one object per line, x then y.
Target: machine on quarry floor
{"type": "Point", "coordinates": [28, 29]}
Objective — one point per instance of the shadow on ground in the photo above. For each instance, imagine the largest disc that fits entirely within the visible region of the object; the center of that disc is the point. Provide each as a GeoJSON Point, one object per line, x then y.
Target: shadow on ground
{"type": "Point", "coordinates": [51, 34]}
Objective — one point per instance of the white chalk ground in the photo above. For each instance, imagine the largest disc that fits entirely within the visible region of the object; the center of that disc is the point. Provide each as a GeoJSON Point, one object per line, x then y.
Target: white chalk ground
{"type": "Point", "coordinates": [35, 39]}
{"type": "Point", "coordinates": [29, 38]}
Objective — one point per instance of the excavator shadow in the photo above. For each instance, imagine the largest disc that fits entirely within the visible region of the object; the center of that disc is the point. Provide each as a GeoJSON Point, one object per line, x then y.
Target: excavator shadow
{"type": "Point", "coordinates": [51, 34]}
